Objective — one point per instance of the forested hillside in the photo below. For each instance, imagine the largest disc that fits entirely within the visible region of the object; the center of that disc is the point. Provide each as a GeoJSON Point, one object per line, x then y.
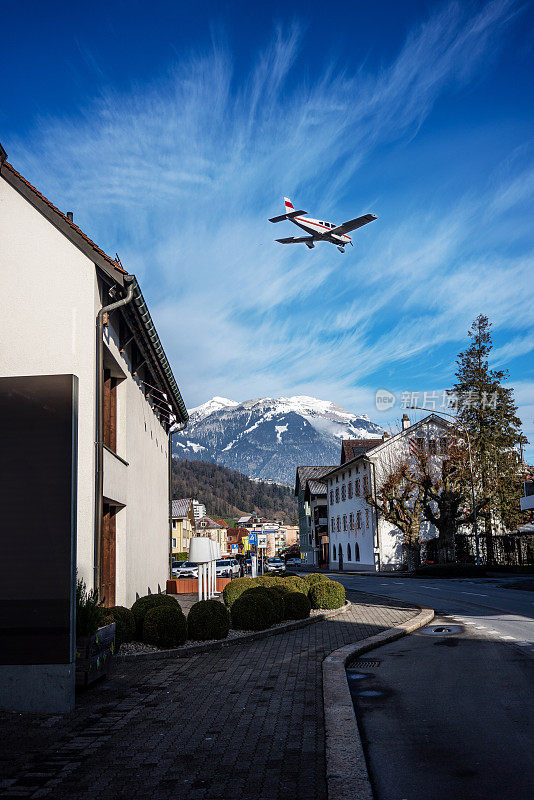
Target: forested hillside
{"type": "Point", "coordinates": [226, 493]}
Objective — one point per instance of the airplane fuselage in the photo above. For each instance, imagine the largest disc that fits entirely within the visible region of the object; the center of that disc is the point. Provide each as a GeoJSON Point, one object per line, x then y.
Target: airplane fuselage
{"type": "Point", "coordinates": [320, 229]}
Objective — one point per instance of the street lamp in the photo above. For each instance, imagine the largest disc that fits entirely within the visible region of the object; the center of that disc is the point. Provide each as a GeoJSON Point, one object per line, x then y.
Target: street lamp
{"type": "Point", "coordinates": [457, 421]}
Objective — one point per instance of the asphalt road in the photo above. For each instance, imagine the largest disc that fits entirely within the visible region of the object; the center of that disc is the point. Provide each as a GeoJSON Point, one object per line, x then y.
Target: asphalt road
{"type": "Point", "coordinates": [447, 716]}
{"type": "Point", "coordinates": [481, 603]}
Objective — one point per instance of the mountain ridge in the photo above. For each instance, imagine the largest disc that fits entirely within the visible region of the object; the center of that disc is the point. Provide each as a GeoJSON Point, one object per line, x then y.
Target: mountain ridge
{"type": "Point", "coordinates": [267, 438]}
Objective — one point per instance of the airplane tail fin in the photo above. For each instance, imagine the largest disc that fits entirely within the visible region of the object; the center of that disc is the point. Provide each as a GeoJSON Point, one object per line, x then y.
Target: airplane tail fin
{"type": "Point", "coordinates": [290, 212]}
{"type": "Point", "coordinates": [288, 205]}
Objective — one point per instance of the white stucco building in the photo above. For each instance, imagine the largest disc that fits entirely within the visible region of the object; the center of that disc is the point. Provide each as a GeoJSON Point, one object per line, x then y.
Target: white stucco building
{"type": "Point", "coordinates": [55, 281]}
{"type": "Point", "coordinates": [360, 539]}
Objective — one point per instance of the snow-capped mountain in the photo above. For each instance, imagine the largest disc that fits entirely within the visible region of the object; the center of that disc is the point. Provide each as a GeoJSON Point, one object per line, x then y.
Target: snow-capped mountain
{"type": "Point", "coordinates": [268, 438]}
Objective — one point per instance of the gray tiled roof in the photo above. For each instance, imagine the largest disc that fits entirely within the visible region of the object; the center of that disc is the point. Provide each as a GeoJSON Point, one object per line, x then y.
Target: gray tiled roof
{"type": "Point", "coordinates": [180, 508]}
{"type": "Point", "coordinates": [305, 474]}
{"type": "Point", "coordinates": [317, 487]}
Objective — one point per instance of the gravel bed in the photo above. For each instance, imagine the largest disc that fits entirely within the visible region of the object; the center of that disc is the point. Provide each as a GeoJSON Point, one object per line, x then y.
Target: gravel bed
{"type": "Point", "coordinates": [141, 647]}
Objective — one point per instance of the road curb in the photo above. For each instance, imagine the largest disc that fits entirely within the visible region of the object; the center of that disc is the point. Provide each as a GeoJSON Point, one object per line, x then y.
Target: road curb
{"type": "Point", "coordinates": [346, 769]}
{"type": "Point", "coordinates": [186, 652]}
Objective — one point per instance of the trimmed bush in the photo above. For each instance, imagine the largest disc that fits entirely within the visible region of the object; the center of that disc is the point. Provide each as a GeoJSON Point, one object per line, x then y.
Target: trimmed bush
{"type": "Point", "coordinates": [256, 609]}
{"type": "Point", "coordinates": [315, 577]}
{"type": "Point", "coordinates": [165, 626]}
{"type": "Point", "coordinates": [235, 589]}
{"type": "Point", "coordinates": [266, 580]}
{"type": "Point", "coordinates": [296, 584]}
{"type": "Point", "coordinates": [145, 604]}
{"type": "Point", "coordinates": [296, 606]}
{"type": "Point", "coordinates": [208, 619]}
{"type": "Point", "coordinates": [124, 624]}
{"type": "Point", "coordinates": [327, 594]}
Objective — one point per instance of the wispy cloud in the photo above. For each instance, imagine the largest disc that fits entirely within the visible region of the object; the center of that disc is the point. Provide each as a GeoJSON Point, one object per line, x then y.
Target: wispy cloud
{"type": "Point", "coordinates": [180, 175]}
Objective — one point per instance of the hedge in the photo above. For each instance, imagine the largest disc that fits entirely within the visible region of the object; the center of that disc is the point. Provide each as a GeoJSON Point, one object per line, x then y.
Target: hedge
{"type": "Point", "coordinates": [145, 604]}
{"type": "Point", "coordinates": [327, 594]}
{"type": "Point", "coordinates": [296, 606]}
{"type": "Point", "coordinates": [315, 577]}
{"type": "Point", "coordinates": [451, 571]}
{"type": "Point", "coordinates": [125, 627]}
{"type": "Point", "coordinates": [266, 580]}
{"type": "Point", "coordinates": [235, 589]}
{"type": "Point", "coordinates": [208, 619]}
{"type": "Point", "coordinates": [256, 609]}
{"type": "Point", "coordinates": [296, 584]}
{"type": "Point", "coordinates": [165, 626]}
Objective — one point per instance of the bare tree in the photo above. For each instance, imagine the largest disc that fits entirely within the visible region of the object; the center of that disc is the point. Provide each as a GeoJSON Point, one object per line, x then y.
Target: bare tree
{"type": "Point", "coordinates": [400, 501]}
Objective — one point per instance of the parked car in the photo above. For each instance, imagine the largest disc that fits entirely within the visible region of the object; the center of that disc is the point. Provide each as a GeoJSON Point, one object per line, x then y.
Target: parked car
{"type": "Point", "coordinates": [274, 565]}
{"type": "Point", "coordinates": [176, 564]}
{"type": "Point", "coordinates": [189, 569]}
{"type": "Point", "coordinates": [224, 568]}
{"type": "Point", "coordinates": [293, 562]}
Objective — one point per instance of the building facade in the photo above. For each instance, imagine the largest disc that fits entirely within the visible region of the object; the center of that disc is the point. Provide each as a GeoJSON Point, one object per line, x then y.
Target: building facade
{"type": "Point", "coordinates": [308, 549]}
{"type": "Point", "coordinates": [183, 525]}
{"type": "Point", "coordinates": [56, 284]}
{"type": "Point", "coordinates": [360, 538]}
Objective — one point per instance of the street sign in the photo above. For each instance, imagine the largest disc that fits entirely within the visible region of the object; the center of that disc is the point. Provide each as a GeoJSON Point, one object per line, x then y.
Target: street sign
{"type": "Point", "coordinates": [252, 538]}
{"type": "Point", "coordinates": [262, 540]}
{"type": "Point", "coordinates": [235, 548]}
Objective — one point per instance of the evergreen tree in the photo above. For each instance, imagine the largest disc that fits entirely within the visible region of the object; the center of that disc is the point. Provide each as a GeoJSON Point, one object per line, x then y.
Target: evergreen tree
{"type": "Point", "coordinates": [487, 410]}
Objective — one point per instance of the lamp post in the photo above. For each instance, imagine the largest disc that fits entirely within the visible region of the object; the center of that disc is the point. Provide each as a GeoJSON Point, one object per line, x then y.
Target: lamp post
{"type": "Point", "coordinates": [457, 421]}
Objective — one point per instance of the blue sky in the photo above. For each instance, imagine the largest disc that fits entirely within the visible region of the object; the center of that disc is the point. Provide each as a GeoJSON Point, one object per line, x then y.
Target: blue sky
{"type": "Point", "coordinates": [173, 130]}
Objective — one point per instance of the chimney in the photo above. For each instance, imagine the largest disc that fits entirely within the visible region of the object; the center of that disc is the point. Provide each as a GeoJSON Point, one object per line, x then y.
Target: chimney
{"type": "Point", "coordinates": [385, 436]}
{"type": "Point", "coordinates": [70, 216]}
{"type": "Point", "coordinates": [405, 422]}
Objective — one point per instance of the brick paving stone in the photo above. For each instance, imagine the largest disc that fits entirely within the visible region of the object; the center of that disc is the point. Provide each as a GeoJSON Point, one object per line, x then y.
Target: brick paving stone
{"type": "Point", "coordinates": [244, 723]}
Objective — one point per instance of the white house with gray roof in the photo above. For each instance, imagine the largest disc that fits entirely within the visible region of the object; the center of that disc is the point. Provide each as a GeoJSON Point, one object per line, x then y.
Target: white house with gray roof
{"type": "Point", "coordinates": [360, 539]}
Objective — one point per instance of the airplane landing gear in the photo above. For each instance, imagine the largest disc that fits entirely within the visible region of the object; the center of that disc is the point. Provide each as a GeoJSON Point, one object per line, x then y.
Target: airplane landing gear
{"type": "Point", "coordinates": [310, 245]}
{"type": "Point", "coordinates": [341, 248]}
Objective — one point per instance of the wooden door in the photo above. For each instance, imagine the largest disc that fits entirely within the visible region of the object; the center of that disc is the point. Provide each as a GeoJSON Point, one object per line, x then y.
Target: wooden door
{"type": "Point", "coordinates": [107, 556]}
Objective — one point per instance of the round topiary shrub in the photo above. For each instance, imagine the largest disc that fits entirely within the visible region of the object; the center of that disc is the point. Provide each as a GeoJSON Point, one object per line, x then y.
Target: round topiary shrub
{"type": "Point", "coordinates": [296, 606]}
{"type": "Point", "coordinates": [315, 577]}
{"type": "Point", "coordinates": [124, 624]}
{"type": "Point", "coordinates": [266, 580]}
{"type": "Point", "coordinates": [165, 626]}
{"type": "Point", "coordinates": [145, 604]}
{"type": "Point", "coordinates": [208, 619]}
{"type": "Point", "coordinates": [327, 594]}
{"type": "Point", "coordinates": [256, 609]}
{"type": "Point", "coordinates": [235, 589]}
{"type": "Point", "coordinates": [296, 584]}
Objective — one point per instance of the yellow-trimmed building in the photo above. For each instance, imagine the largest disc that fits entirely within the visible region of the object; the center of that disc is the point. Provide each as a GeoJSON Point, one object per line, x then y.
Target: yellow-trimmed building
{"type": "Point", "coordinates": [183, 525]}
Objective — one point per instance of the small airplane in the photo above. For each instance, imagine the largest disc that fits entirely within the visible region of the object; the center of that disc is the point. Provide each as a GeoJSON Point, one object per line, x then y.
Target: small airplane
{"type": "Point", "coordinates": [320, 231]}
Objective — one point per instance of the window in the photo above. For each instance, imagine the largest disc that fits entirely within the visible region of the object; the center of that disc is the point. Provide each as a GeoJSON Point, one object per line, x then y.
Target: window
{"type": "Point", "coordinates": [339, 523]}
{"type": "Point", "coordinates": [366, 517]}
{"type": "Point", "coordinates": [348, 553]}
{"type": "Point", "coordinates": [432, 449]}
{"type": "Point", "coordinates": [359, 520]}
{"type": "Point", "coordinates": [357, 487]}
{"type": "Point", "coordinates": [331, 497]}
{"type": "Point", "coordinates": [343, 492]}
{"type": "Point", "coordinates": [337, 494]}
{"type": "Point", "coordinates": [351, 522]}
{"type": "Point", "coordinates": [349, 488]}
{"type": "Point", "coordinates": [421, 445]}
{"type": "Point", "coordinates": [356, 551]}
{"type": "Point", "coordinates": [109, 411]}
{"type": "Point", "coordinates": [443, 446]}
{"type": "Point", "coordinates": [365, 484]}
{"type": "Point", "coordinates": [333, 524]}
{"type": "Point", "coordinates": [337, 478]}
{"type": "Point", "coordinates": [174, 524]}
{"type": "Point", "coordinates": [340, 553]}
{"type": "Point", "coordinates": [334, 553]}
{"type": "Point", "coordinates": [174, 542]}
{"type": "Point", "coordinates": [344, 522]}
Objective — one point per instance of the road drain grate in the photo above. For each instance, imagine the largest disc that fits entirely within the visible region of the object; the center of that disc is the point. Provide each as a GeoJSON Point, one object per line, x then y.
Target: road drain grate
{"type": "Point", "coordinates": [364, 663]}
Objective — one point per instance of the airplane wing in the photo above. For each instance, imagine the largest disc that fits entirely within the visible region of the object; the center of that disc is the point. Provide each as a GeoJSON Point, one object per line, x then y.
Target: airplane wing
{"type": "Point", "coordinates": [352, 224]}
{"type": "Point", "coordinates": [290, 215]}
{"type": "Point", "coordinates": [295, 239]}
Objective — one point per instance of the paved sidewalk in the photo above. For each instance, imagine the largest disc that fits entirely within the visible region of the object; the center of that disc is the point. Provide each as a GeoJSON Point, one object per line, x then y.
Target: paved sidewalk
{"type": "Point", "coordinates": [243, 723]}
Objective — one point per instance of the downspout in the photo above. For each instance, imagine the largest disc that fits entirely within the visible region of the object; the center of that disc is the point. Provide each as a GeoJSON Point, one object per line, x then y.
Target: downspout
{"type": "Point", "coordinates": [129, 281]}
{"type": "Point", "coordinates": [376, 515]}
{"type": "Point", "coordinates": [171, 434]}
